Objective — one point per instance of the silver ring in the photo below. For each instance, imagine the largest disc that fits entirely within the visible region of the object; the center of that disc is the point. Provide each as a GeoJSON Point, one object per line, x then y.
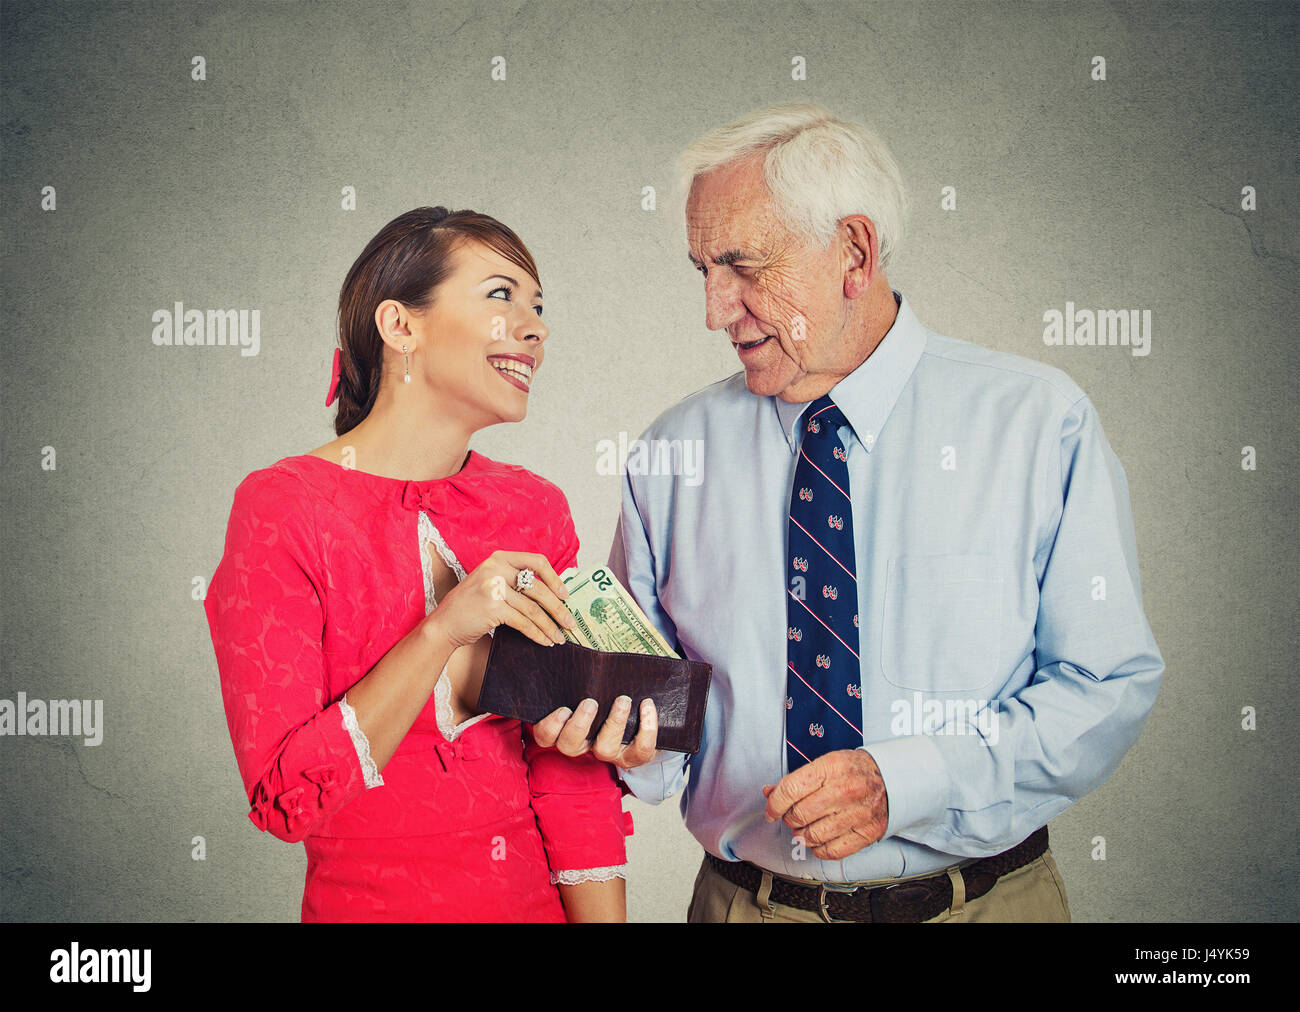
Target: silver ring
{"type": "Point", "coordinates": [524, 580]}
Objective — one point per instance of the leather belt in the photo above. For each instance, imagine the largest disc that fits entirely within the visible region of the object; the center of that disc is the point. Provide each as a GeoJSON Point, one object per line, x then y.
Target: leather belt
{"type": "Point", "coordinates": [903, 902]}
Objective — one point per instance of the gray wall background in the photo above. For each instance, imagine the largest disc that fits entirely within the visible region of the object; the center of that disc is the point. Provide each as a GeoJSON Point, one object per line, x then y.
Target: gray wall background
{"type": "Point", "coordinates": [226, 193]}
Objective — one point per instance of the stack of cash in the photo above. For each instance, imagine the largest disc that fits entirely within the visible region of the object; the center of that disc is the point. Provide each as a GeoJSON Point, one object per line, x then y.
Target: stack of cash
{"type": "Point", "coordinates": [607, 616]}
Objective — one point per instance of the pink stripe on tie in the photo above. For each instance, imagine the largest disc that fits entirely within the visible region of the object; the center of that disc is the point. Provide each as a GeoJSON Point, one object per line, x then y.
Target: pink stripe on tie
{"type": "Point", "coordinates": [824, 548]}
{"type": "Point", "coordinates": [824, 699]}
{"type": "Point", "coordinates": [824, 474]}
{"type": "Point", "coordinates": [827, 628]}
{"type": "Point", "coordinates": [796, 748]}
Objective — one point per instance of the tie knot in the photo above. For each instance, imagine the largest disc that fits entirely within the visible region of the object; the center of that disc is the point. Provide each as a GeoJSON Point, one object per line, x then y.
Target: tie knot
{"type": "Point", "coordinates": [823, 416]}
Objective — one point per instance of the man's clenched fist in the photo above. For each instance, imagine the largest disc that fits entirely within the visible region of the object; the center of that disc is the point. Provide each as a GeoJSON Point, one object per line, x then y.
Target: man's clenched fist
{"type": "Point", "coordinates": [837, 803]}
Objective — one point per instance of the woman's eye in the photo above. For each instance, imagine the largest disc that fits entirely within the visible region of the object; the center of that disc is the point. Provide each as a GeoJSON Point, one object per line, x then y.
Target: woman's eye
{"type": "Point", "coordinates": [503, 288]}
{"type": "Point", "coordinates": [539, 310]}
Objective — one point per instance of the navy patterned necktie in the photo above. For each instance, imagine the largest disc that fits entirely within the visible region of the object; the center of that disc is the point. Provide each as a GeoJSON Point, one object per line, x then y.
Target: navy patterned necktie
{"type": "Point", "coordinates": [823, 684]}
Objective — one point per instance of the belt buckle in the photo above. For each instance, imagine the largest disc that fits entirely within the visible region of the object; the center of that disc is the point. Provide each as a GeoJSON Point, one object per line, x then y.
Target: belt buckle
{"type": "Point", "coordinates": [821, 904]}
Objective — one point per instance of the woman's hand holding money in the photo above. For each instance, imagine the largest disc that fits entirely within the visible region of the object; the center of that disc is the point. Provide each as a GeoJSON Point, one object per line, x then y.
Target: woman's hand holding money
{"type": "Point", "coordinates": [488, 597]}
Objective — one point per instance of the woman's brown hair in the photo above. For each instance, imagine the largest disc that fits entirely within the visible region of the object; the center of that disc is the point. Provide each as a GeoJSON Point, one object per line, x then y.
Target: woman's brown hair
{"type": "Point", "coordinates": [405, 261]}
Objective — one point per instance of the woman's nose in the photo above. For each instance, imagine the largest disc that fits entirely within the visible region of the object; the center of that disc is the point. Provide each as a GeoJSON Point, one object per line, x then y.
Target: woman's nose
{"type": "Point", "coordinates": [531, 326]}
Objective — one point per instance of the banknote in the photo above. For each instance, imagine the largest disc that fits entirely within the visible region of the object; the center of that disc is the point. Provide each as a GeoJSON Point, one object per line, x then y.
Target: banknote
{"type": "Point", "coordinates": [608, 618]}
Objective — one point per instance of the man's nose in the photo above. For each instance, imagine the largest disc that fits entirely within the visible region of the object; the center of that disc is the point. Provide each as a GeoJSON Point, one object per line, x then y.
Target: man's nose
{"type": "Point", "coordinates": [722, 305]}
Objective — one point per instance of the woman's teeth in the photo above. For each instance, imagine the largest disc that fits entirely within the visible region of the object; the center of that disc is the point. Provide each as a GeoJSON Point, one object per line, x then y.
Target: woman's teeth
{"type": "Point", "coordinates": [520, 371]}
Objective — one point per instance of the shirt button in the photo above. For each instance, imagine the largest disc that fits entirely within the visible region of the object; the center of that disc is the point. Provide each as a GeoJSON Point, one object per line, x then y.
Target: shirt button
{"type": "Point", "coordinates": [869, 439]}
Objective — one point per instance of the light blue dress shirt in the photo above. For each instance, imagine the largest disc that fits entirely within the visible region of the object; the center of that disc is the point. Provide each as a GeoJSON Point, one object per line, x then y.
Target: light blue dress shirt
{"type": "Point", "coordinates": [1006, 663]}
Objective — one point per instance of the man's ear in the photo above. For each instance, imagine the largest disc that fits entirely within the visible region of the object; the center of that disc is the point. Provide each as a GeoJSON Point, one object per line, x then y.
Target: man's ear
{"type": "Point", "coordinates": [861, 254]}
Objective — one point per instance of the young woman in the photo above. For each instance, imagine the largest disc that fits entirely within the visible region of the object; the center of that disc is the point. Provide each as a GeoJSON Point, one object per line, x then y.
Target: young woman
{"type": "Point", "coordinates": [352, 610]}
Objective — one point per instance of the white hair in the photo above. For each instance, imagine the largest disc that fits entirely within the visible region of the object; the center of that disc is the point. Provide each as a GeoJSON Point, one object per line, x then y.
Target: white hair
{"type": "Point", "coordinates": [819, 169]}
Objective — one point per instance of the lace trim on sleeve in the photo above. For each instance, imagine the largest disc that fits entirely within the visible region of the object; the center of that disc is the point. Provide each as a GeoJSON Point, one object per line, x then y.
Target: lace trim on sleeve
{"type": "Point", "coordinates": [579, 875]}
{"type": "Point", "coordinates": [369, 771]}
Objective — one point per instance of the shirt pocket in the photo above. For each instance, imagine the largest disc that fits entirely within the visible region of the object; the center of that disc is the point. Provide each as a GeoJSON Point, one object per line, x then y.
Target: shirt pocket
{"type": "Point", "coordinates": [942, 623]}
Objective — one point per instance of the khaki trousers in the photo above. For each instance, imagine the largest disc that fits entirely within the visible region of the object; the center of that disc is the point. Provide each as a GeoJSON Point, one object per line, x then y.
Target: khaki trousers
{"type": "Point", "coordinates": [1034, 892]}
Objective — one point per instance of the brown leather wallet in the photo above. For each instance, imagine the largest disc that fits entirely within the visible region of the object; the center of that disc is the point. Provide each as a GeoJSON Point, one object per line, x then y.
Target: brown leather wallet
{"type": "Point", "coordinates": [527, 681]}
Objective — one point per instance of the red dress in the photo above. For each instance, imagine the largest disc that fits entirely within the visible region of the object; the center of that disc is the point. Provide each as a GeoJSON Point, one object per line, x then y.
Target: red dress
{"type": "Point", "coordinates": [322, 574]}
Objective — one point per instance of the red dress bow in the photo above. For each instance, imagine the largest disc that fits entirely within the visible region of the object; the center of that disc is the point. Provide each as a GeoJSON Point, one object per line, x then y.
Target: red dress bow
{"type": "Point", "coordinates": [445, 496]}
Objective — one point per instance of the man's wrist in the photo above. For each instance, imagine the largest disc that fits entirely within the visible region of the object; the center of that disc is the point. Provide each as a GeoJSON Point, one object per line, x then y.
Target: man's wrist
{"type": "Point", "coordinates": [916, 781]}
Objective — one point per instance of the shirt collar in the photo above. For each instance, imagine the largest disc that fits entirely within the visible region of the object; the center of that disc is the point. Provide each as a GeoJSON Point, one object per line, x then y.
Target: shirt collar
{"type": "Point", "coordinates": [867, 395]}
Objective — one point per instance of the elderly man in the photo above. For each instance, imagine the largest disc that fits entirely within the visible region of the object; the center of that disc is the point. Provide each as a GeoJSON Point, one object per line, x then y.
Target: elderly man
{"type": "Point", "coordinates": [911, 563]}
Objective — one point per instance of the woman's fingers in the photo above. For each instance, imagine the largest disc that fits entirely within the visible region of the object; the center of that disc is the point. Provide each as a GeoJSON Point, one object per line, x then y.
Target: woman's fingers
{"type": "Point", "coordinates": [539, 564]}
{"type": "Point", "coordinates": [548, 589]}
{"type": "Point", "coordinates": [535, 613]}
{"type": "Point", "coordinates": [554, 608]}
{"type": "Point", "coordinates": [517, 618]}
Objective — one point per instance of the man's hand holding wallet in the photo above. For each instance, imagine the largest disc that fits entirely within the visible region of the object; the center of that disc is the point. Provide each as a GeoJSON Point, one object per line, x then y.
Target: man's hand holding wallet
{"type": "Point", "coordinates": [613, 651]}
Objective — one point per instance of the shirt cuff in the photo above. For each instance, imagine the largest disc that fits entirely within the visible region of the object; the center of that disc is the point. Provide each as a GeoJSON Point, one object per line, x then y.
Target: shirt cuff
{"type": "Point", "coordinates": [655, 781]}
{"type": "Point", "coordinates": [369, 771]}
{"type": "Point", "coordinates": [579, 875]}
{"type": "Point", "coordinates": [916, 781]}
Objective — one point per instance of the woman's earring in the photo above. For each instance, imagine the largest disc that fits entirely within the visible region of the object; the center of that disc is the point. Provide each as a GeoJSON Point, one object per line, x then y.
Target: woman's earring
{"type": "Point", "coordinates": [408, 364]}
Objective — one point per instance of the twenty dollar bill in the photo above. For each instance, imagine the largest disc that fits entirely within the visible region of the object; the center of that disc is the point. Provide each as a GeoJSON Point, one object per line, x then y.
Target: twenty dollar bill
{"type": "Point", "coordinates": [607, 616]}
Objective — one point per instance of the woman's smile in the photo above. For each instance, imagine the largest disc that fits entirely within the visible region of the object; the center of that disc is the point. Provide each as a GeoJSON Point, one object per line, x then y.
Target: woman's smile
{"type": "Point", "coordinates": [515, 369]}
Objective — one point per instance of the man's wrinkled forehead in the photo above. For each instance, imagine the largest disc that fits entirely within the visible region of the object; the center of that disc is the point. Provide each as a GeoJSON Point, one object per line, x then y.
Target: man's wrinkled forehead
{"type": "Point", "coordinates": [727, 225]}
